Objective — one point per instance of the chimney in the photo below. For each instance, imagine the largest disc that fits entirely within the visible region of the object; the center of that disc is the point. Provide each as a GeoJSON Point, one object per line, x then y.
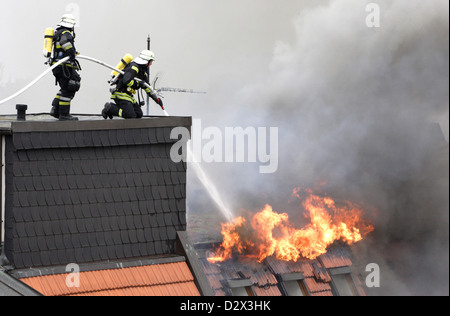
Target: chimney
{"type": "Point", "coordinates": [21, 111]}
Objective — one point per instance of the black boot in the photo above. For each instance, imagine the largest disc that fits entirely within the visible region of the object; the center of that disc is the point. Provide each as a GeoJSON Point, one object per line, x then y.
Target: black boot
{"type": "Point", "coordinates": [64, 114]}
{"type": "Point", "coordinates": [54, 112]}
{"type": "Point", "coordinates": [55, 108]}
{"type": "Point", "coordinates": [106, 112]}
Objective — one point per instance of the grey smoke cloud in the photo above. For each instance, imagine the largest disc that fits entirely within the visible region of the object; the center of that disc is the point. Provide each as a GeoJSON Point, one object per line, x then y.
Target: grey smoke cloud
{"type": "Point", "coordinates": [355, 106]}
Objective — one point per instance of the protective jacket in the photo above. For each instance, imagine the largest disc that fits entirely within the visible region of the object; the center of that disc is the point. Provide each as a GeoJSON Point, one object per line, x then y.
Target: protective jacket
{"type": "Point", "coordinates": [127, 85]}
{"type": "Point", "coordinates": [125, 105]}
{"type": "Point", "coordinates": [64, 44]}
{"type": "Point", "coordinates": [66, 74]}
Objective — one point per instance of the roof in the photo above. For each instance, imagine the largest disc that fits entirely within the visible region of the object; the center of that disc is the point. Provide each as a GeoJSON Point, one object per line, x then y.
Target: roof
{"type": "Point", "coordinates": [104, 194]}
{"type": "Point", "coordinates": [91, 190]}
{"type": "Point", "coordinates": [160, 279]}
{"type": "Point", "coordinates": [45, 123]}
{"type": "Point", "coordinates": [268, 278]}
{"type": "Point", "coordinates": [107, 196]}
{"type": "Point", "coordinates": [260, 279]}
{"type": "Point", "coordinates": [10, 286]}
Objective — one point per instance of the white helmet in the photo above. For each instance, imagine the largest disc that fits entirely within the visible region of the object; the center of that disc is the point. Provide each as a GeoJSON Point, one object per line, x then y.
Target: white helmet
{"type": "Point", "coordinates": [145, 57]}
{"type": "Point", "coordinates": [67, 20]}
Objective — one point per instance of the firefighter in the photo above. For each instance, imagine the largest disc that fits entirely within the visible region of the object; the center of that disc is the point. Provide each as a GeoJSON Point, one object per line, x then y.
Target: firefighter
{"type": "Point", "coordinates": [66, 74]}
{"type": "Point", "coordinates": [124, 104]}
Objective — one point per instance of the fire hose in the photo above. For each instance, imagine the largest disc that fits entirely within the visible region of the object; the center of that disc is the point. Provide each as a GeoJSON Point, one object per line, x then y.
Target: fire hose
{"type": "Point", "coordinates": [34, 81]}
{"type": "Point", "coordinates": [145, 84]}
{"type": "Point", "coordinates": [197, 168]}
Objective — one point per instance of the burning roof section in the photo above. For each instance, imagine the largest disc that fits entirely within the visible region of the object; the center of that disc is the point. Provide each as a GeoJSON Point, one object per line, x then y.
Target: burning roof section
{"type": "Point", "coordinates": [331, 274]}
{"type": "Point", "coordinates": [264, 253]}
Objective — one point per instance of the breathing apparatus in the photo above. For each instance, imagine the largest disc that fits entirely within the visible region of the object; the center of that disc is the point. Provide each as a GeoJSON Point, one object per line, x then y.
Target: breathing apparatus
{"type": "Point", "coordinates": [128, 58]}
{"type": "Point", "coordinates": [48, 42]}
{"type": "Point", "coordinates": [67, 21]}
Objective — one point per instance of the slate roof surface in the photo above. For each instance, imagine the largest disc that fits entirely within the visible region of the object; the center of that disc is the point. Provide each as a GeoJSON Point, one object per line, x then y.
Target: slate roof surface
{"type": "Point", "coordinates": [166, 279]}
{"type": "Point", "coordinates": [92, 190]}
{"type": "Point", "coordinates": [94, 193]}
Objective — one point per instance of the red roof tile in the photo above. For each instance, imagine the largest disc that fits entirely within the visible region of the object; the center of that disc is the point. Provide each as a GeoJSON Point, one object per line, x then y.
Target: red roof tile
{"type": "Point", "coordinates": [314, 286]}
{"type": "Point", "coordinates": [308, 270]}
{"type": "Point", "coordinates": [320, 273]}
{"type": "Point", "coordinates": [263, 276]}
{"type": "Point", "coordinates": [284, 267]}
{"type": "Point", "coordinates": [335, 259]}
{"type": "Point", "coordinates": [359, 286]}
{"type": "Point", "coordinates": [170, 279]}
{"type": "Point", "coordinates": [325, 293]}
{"type": "Point", "coordinates": [271, 290]}
{"type": "Point", "coordinates": [264, 283]}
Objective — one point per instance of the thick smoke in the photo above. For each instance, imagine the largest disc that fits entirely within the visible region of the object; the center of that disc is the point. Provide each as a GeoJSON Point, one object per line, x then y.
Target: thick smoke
{"type": "Point", "coordinates": [356, 109]}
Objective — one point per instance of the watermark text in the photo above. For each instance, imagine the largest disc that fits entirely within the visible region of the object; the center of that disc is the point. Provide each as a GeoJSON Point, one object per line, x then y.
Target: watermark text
{"type": "Point", "coordinates": [373, 16]}
{"type": "Point", "coordinates": [373, 278]}
{"type": "Point", "coordinates": [231, 145]}
{"type": "Point", "coordinates": [73, 278]}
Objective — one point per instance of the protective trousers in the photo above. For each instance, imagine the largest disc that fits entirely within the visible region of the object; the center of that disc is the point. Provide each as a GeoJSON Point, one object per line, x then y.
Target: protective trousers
{"type": "Point", "coordinates": [125, 106]}
{"type": "Point", "coordinates": [69, 81]}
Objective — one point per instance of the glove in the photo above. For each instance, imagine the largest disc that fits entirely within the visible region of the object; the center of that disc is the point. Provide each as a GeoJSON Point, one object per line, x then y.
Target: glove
{"type": "Point", "coordinates": [160, 103]}
{"type": "Point", "coordinates": [157, 99]}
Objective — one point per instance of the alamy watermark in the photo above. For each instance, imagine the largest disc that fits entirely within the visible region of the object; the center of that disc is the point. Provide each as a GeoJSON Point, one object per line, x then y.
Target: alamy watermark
{"type": "Point", "coordinates": [231, 145]}
{"type": "Point", "coordinates": [374, 15]}
{"type": "Point", "coordinates": [373, 278]}
{"type": "Point", "coordinates": [73, 278]}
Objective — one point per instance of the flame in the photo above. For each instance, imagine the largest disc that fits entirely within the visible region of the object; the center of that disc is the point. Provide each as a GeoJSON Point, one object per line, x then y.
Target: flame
{"type": "Point", "coordinates": [231, 241]}
{"type": "Point", "coordinates": [268, 233]}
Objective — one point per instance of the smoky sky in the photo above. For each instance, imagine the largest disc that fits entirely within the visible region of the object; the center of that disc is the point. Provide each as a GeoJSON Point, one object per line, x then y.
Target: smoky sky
{"type": "Point", "coordinates": [356, 109]}
{"type": "Point", "coordinates": [355, 106]}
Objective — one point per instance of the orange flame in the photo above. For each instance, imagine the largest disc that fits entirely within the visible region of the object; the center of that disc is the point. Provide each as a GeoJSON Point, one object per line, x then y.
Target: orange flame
{"type": "Point", "coordinates": [231, 241]}
{"type": "Point", "coordinates": [268, 233]}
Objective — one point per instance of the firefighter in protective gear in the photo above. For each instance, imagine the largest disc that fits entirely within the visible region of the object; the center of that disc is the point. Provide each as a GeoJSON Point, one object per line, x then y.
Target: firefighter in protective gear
{"type": "Point", "coordinates": [66, 74]}
{"type": "Point", "coordinates": [124, 104]}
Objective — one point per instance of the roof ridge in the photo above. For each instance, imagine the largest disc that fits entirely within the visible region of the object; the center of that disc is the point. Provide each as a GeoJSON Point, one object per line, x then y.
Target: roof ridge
{"type": "Point", "coordinates": [96, 266]}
